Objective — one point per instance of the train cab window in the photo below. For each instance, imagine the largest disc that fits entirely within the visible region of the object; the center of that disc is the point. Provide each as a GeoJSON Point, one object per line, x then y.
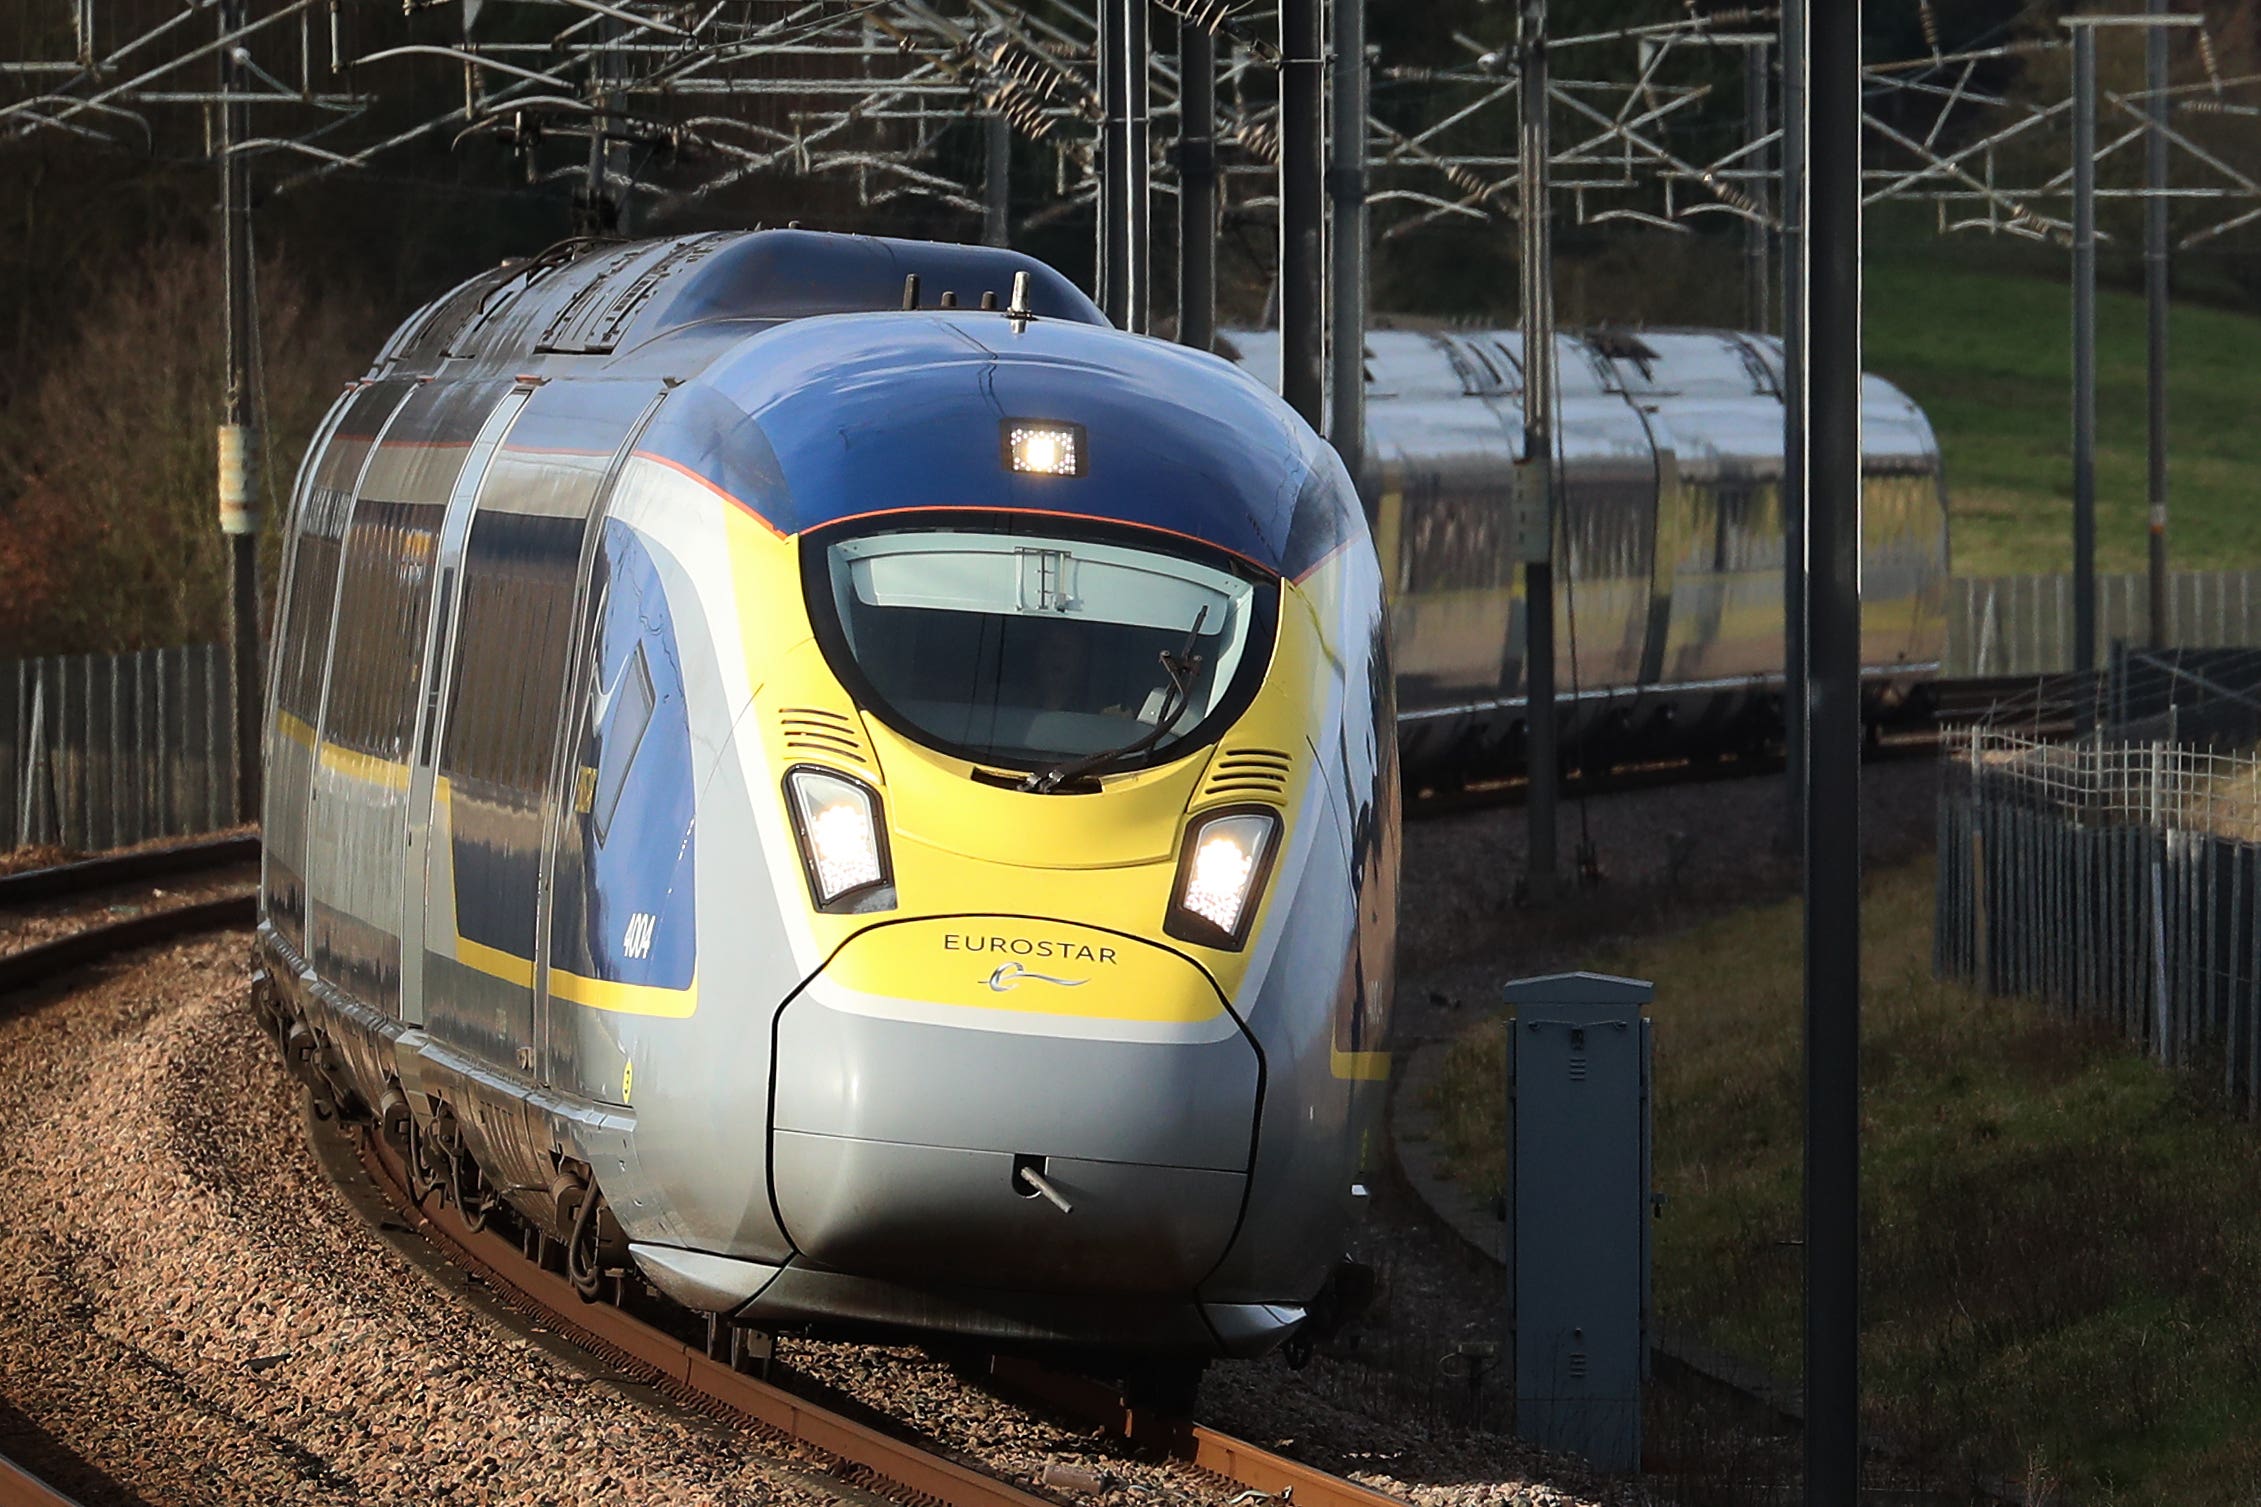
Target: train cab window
{"type": "Point", "coordinates": [1019, 651]}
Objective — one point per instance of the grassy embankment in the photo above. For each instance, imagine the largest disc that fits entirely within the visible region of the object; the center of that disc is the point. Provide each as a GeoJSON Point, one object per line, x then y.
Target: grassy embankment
{"type": "Point", "coordinates": [2063, 1243]}
{"type": "Point", "coordinates": [1988, 353]}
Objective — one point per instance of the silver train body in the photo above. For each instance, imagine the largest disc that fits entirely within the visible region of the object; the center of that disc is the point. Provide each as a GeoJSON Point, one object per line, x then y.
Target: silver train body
{"type": "Point", "coordinates": [872, 819]}
{"type": "Point", "coordinates": [1669, 551]}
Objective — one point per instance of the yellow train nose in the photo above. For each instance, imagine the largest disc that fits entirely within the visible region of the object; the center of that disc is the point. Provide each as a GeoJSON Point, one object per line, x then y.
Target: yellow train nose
{"type": "Point", "coordinates": [934, 1062]}
{"type": "Point", "coordinates": [977, 966]}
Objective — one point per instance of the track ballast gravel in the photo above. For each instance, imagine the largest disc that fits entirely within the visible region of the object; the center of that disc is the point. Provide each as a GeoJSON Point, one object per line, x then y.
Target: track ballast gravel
{"type": "Point", "coordinates": [189, 1308]}
{"type": "Point", "coordinates": [190, 1312]}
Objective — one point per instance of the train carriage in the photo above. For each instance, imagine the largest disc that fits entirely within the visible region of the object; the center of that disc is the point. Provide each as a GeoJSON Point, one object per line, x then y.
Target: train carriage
{"type": "Point", "coordinates": [872, 818]}
{"type": "Point", "coordinates": [1669, 565]}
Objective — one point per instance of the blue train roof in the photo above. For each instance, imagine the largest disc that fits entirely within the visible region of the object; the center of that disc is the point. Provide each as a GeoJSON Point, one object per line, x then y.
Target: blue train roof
{"type": "Point", "coordinates": [628, 303]}
{"type": "Point", "coordinates": [810, 396]}
{"type": "Point", "coordinates": [821, 421]}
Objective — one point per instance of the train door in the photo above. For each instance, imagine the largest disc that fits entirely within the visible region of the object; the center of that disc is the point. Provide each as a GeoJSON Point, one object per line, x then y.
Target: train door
{"type": "Point", "coordinates": [306, 622]}
{"type": "Point", "coordinates": [568, 809]}
{"type": "Point", "coordinates": [440, 650]}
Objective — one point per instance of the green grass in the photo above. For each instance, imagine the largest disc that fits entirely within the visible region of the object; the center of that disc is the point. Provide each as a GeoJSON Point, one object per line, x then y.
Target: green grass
{"type": "Point", "coordinates": [1987, 351]}
{"type": "Point", "coordinates": [2062, 1243]}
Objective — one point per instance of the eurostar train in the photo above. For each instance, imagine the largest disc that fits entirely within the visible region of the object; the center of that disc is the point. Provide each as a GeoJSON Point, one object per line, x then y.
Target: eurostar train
{"type": "Point", "coordinates": [1669, 543]}
{"type": "Point", "coordinates": [810, 770]}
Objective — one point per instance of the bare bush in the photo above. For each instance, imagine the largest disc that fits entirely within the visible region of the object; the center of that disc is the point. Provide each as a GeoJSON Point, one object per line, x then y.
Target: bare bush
{"type": "Point", "coordinates": [109, 538]}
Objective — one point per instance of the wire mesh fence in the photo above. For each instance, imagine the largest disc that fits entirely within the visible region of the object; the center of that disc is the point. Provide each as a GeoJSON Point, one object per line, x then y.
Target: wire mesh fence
{"type": "Point", "coordinates": [106, 750]}
{"type": "Point", "coordinates": [2023, 625]}
{"type": "Point", "coordinates": [2115, 879]}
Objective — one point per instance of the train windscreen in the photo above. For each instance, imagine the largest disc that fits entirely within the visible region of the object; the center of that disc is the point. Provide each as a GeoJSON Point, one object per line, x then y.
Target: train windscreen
{"type": "Point", "coordinates": [1024, 651]}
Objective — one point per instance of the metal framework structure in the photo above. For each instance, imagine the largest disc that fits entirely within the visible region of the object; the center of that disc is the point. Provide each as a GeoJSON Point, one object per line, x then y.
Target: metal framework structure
{"type": "Point", "coordinates": [681, 98]}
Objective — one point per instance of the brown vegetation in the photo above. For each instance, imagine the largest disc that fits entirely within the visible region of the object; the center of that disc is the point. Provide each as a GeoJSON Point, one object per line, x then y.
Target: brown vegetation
{"type": "Point", "coordinates": [109, 538]}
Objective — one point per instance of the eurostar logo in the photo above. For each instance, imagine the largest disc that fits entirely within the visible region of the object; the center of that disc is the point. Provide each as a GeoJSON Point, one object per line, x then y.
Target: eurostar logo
{"type": "Point", "coordinates": [1009, 974]}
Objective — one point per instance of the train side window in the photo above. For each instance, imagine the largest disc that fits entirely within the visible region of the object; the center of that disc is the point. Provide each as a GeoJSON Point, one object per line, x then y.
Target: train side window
{"type": "Point", "coordinates": [511, 642]}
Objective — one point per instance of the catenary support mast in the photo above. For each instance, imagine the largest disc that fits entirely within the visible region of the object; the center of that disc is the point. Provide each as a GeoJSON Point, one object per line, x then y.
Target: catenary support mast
{"type": "Point", "coordinates": [239, 449]}
{"type": "Point", "coordinates": [1830, 271]}
{"type": "Point", "coordinates": [1542, 756]}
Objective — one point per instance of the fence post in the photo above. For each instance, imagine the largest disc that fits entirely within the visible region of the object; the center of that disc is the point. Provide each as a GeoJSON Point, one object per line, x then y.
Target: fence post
{"type": "Point", "coordinates": [213, 751]}
{"type": "Point", "coordinates": [12, 772]}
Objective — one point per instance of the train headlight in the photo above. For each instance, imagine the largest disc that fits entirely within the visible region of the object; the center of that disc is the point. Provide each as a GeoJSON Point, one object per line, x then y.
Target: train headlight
{"type": "Point", "coordinates": [1036, 447]}
{"type": "Point", "coordinates": [843, 842]}
{"type": "Point", "coordinates": [1221, 871]}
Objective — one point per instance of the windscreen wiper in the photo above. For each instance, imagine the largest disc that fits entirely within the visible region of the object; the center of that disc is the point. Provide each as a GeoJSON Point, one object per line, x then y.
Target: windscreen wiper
{"type": "Point", "coordinates": [1181, 667]}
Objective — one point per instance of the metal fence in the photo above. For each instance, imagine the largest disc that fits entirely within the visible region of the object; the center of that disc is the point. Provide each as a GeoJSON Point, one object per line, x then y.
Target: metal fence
{"type": "Point", "coordinates": [104, 750]}
{"type": "Point", "coordinates": [2119, 881]}
{"type": "Point", "coordinates": [2023, 625]}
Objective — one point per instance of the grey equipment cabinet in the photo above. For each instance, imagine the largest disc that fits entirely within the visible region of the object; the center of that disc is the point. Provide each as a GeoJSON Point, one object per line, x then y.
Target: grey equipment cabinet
{"type": "Point", "coordinates": [1579, 1209]}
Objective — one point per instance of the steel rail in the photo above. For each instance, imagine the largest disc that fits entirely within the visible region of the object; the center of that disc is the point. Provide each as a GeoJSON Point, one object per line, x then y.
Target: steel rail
{"type": "Point", "coordinates": [125, 868]}
{"type": "Point", "coordinates": [20, 1488]}
{"type": "Point", "coordinates": [1236, 1460]}
{"type": "Point", "coordinates": [686, 1371]}
{"type": "Point", "coordinates": [899, 1467]}
{"type": "Point", "coordinates": [34, 965]}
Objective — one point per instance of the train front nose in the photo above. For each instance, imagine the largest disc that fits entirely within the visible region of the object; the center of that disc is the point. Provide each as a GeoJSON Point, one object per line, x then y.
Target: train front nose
{"type": "Point", "coordinates": [932, 1060]}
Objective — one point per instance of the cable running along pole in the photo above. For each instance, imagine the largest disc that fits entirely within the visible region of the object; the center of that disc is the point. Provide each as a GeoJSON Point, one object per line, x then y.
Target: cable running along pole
{"type": "Point", "coordinates": [238, 447]}
{"type": "Point", "coordinates": [1793, 424]}
{"type": "Point", "coordinates": [2084, 349]}
{"type": "Point", "coordinates": [1755, 311]}
{"type": "Point", "coordinates": [1346, 248]}
{"type": "Point", "coordinates": [1124, 196]}
{"type": "Point", "coordinates": [2156, 271]}
{"type": "Point", "coordinates": [1533, 150]}
{"type": "Point", "coordinates": [997, 182]}
{"type": "Point", "coordinates": [1830, 271]}
{"type": "Point", "coordinates": [1197, 185]}
{"type": "Point", "coordinates": [1303, 378]}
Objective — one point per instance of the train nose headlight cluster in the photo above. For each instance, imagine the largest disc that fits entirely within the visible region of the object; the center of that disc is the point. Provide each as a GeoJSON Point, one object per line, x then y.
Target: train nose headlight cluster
{"type": "Point", "coordinates": [1221, 872]}
{"type": "Point", "coordinates": [843, 843]}
{"type": "Point", "coordinates": [1037, 448]}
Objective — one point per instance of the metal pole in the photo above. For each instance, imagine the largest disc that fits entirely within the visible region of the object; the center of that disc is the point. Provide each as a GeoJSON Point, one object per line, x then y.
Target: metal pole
{"type": "Point", "coordinates": [601, 213]}
{"type": "Point", "coordinates": [1533, 149]}
{"type": "Point", "coordinates": [2155, 295]}
{"type": "Point", "coordinates": [1303, 380]}
{"type": "Point", "coordinates": [1793, 421]}
{"type": "Point", "coordinates": [1114, 156]}
{"type": "Point", "coordinates": [997, 183]}
{"type": "Point", "coordinates": [1830, 267]}
{"type": "Point", "coordinates": [1197, 185]}
{"type": "Point", "coordinates": [1346, 262]}
{"type": "Point", "coordinates": [2084, 348]}
{"type": "Point", "coordinates": [1755, 309]}
{"type": "Point", "coordinates": [238, 446]}
{"type": "Point", "coordinates": [1137, 238]}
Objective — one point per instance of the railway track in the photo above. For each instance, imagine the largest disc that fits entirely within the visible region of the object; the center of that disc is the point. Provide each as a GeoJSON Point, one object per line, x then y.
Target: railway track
{"type": "Point", "coordinates": [111, 932]}
{"type": "Point", "coordinates": [20, 1488]}
{"type": "Point", "coordinates": [2042, 707]}
{"type": "Point", "coordinates": [704, 1375]}
{"type": "Point", "coordinates": [97, 942]}
{"type": "Point", "coordinates": [863, 1455]}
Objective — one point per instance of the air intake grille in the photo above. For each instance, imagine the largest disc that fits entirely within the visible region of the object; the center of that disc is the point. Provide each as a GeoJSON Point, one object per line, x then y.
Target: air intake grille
{"type": "Point", "coordinates": [814, 732]}
{"type": "Point", "coordinates": [1248, 774]}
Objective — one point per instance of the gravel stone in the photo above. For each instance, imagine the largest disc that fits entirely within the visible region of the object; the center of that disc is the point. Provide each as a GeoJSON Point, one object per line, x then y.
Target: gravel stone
{"type": "Point", "coordinates": [191, 1312]}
